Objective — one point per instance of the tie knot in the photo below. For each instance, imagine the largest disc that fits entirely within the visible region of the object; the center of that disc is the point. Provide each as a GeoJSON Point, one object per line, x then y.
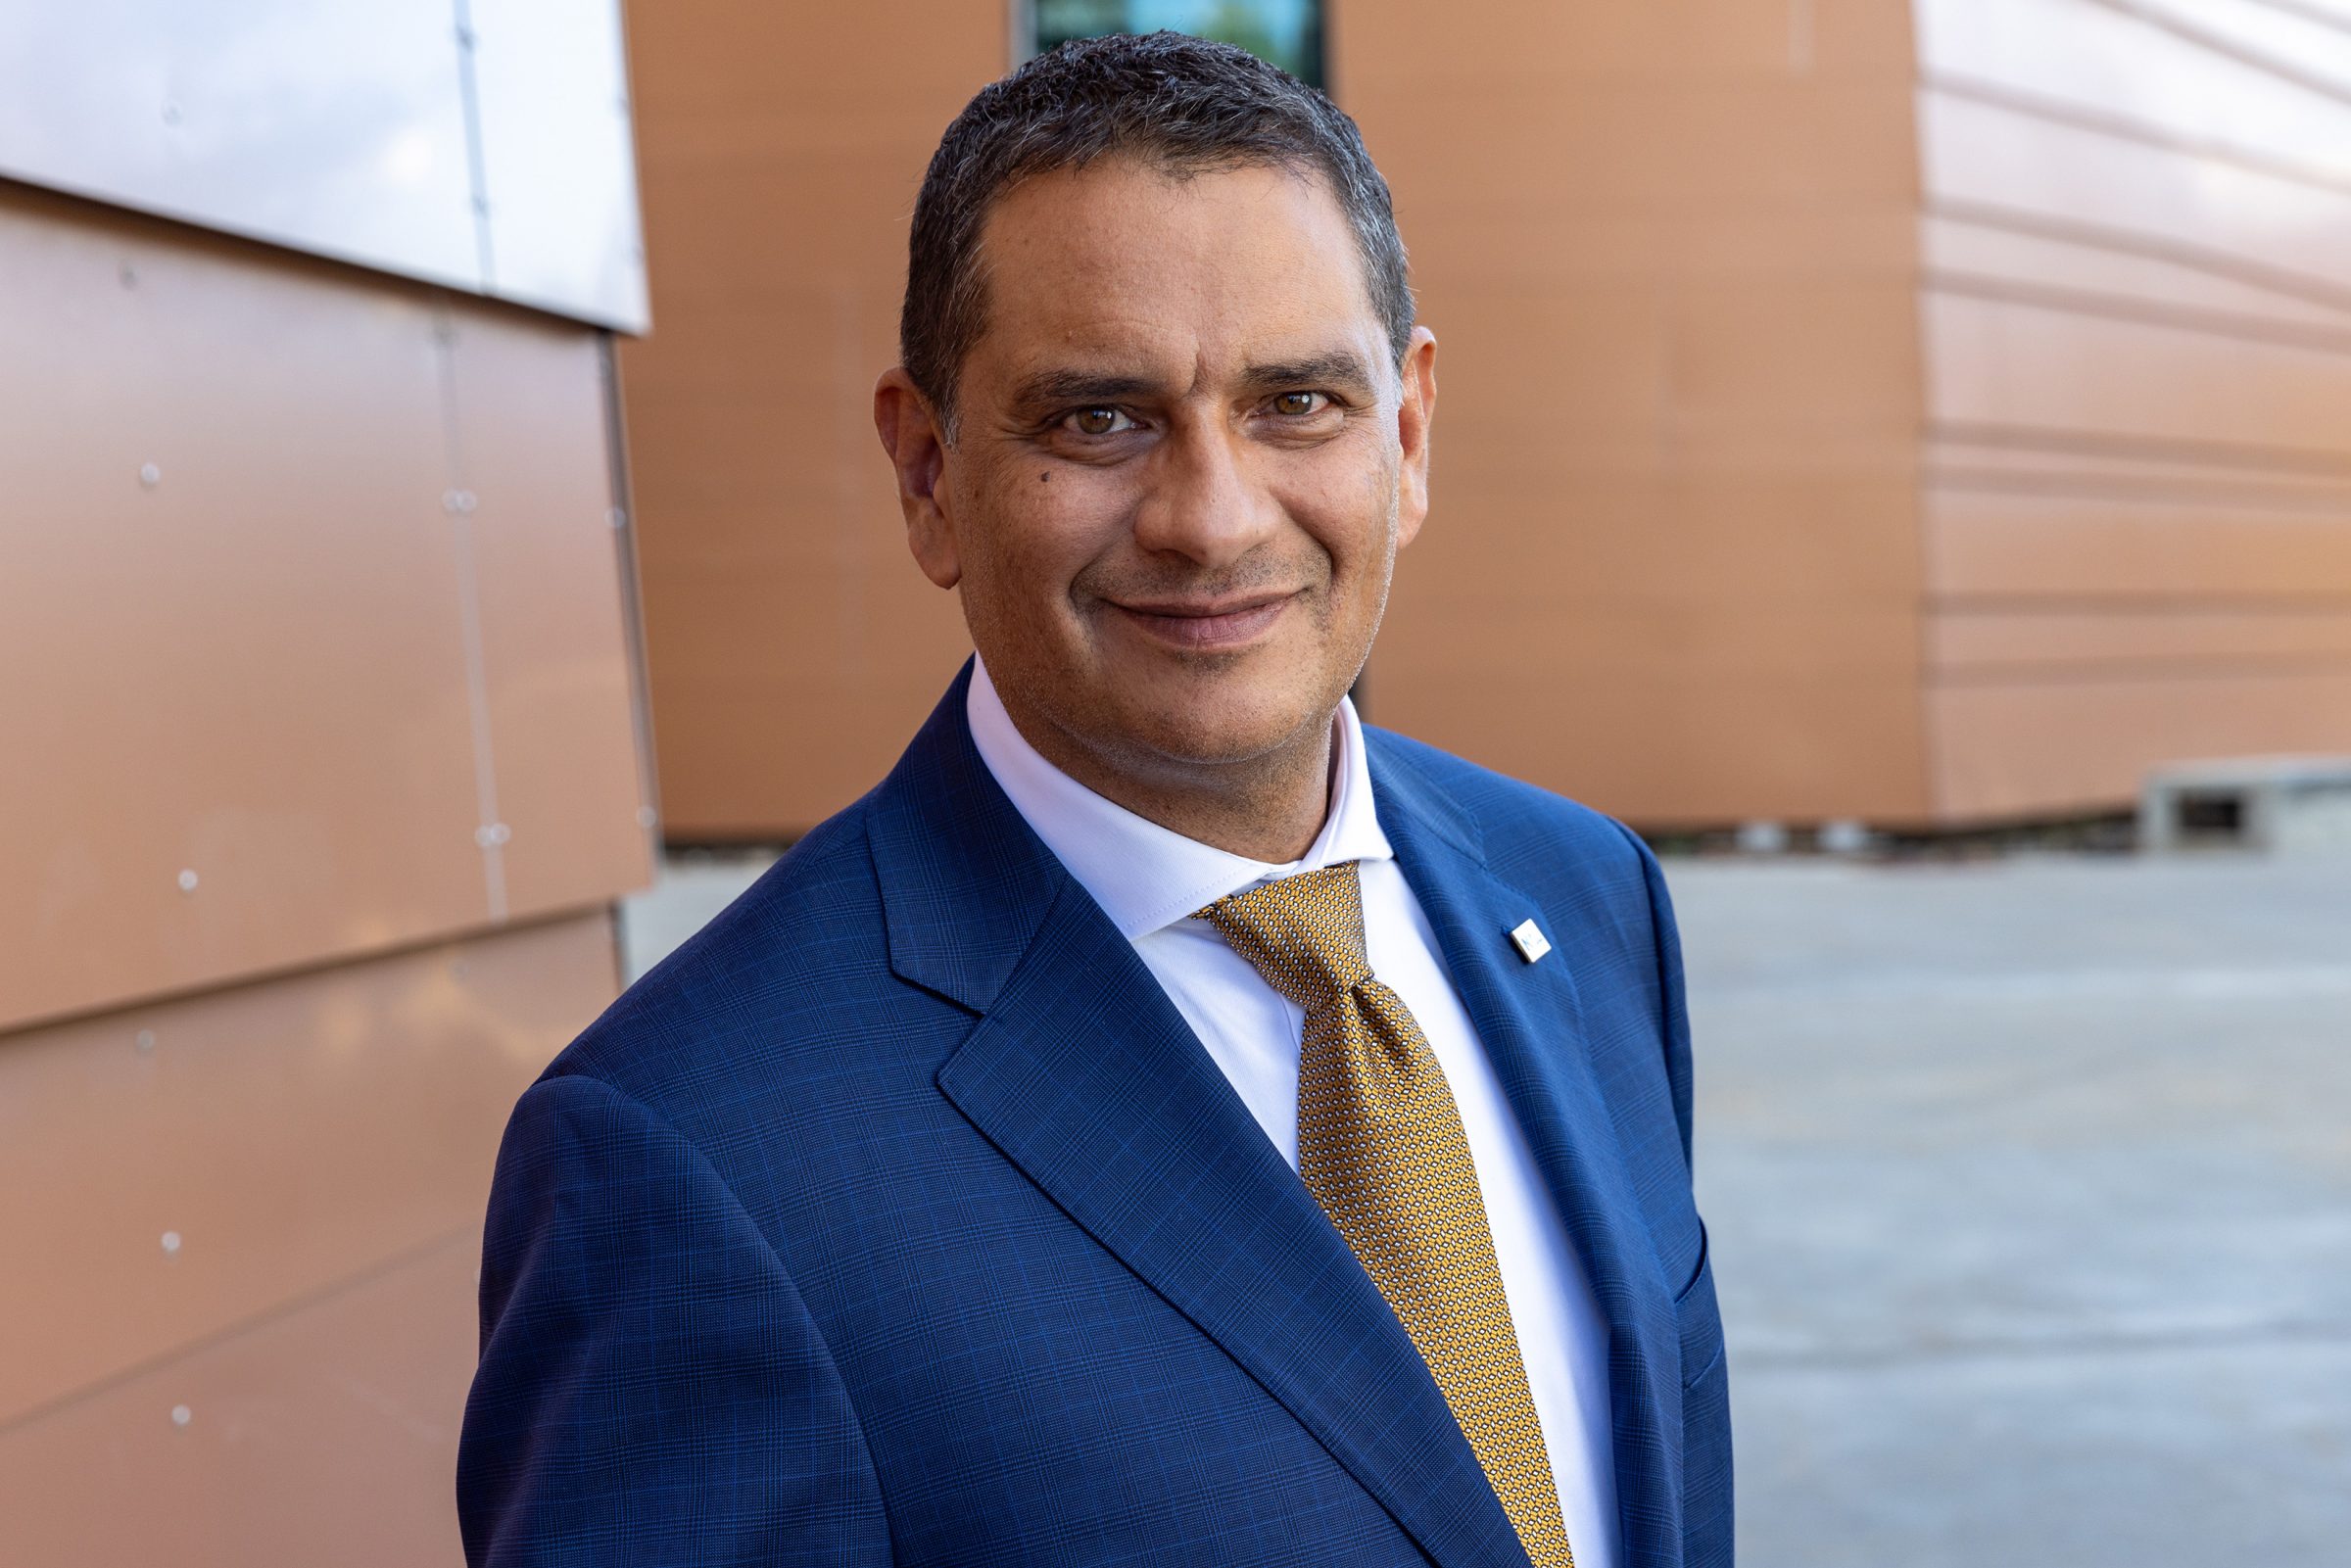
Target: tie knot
{"type": "Point", "coordinates": [1304, 933]}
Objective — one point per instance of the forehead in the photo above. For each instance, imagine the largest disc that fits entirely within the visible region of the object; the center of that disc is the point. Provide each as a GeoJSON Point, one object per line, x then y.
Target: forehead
{"type": "Point", "coordinates": [1124, 260]}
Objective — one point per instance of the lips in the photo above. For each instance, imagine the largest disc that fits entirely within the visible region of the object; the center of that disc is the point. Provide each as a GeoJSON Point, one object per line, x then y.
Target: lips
{"type": "Point", "coordinates": [1208, 626]}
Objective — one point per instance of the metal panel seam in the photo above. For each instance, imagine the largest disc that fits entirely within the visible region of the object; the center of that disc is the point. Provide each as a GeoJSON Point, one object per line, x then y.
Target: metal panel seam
{"type": "Point", "coordinates": [459, 503]}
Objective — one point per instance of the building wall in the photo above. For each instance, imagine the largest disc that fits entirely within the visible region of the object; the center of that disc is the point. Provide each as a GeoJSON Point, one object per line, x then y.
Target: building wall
{"type": "Point", "coordinates": [2137, 313]}
{"type": "Point", "coordinates": [284, 1384]}
{"type": "Point", "coordinates": [1682, 401]}
{"type": "Point", "coordinates": [1668, 252]}
{"type": "Point", "coordinates": [793, 646]}
{"type": "Point", "coordinates": [322, 767]}
{"type": "Point", "coordinates": [482, 144]}
{"type": "Point", "coordinates": [1924, 411]}
{"type": "Point", "coordinates": [276, 661]}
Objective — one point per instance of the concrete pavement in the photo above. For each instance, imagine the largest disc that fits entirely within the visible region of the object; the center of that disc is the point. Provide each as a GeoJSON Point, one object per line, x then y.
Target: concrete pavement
{"type": "Point", "coordinates": [2028, 1183]}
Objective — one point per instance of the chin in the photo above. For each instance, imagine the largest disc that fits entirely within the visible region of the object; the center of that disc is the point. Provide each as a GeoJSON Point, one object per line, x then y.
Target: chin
{"type": "Point", "coordinates": [1221, 725]}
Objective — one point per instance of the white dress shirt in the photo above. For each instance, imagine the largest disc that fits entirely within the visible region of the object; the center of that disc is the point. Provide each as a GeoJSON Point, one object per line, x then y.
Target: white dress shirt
{"type": "Point", "coordinates": [1149, 880]}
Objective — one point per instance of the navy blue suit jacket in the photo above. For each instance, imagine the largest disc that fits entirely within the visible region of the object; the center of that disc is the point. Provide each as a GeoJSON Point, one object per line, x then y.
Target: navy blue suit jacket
{"type": "Point", "coordinates": [898, 1218]}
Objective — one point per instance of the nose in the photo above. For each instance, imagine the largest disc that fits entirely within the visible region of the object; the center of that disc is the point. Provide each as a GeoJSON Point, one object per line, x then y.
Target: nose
{"type": "Point", "coordinates": [1201, 499]}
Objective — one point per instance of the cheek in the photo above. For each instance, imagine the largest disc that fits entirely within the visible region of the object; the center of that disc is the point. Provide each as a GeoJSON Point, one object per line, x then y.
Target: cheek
{"type": "Point", "coordinates": [1036, 529]}
{"type": "Point", "coordinates": [1348, 506]}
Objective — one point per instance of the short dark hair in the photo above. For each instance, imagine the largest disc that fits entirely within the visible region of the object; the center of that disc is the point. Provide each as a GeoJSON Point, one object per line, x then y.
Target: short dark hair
{"type": "Point", "coordinates": [1185, 104]}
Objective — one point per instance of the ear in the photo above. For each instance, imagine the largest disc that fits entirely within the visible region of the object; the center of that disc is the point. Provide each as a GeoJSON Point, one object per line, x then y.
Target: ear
{"type": "Point", "coordinates": [1416, 410]}
{"type": "Point", "coordinates": [918, 449]}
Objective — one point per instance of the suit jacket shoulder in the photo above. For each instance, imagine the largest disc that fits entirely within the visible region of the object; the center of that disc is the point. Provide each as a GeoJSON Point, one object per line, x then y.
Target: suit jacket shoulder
{"type": "Point", "coordinates": [784, 1006]}
{"type": "Point", "coordinates": [765, 943]}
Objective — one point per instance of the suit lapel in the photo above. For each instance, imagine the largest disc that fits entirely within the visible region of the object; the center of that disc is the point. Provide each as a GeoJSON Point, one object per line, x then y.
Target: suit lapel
{"type": "Point", "coordinates": [1084, 1075]}
{"type": "Point", "coordinates": [1529, 1018]}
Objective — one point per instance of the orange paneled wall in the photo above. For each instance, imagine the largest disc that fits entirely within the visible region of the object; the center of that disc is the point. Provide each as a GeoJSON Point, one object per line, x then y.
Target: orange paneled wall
{"type": "Point", "coordinates": [318, 577]}
{"type": "Point", "coordinates": [321, 757]}
{"type": "Point", "coordinates": [322, 773]}
{"type": "Point", "coordinates": [243, 1232]}
{"type": "Point", "coordinates": [1667, 248]}
{"type": "Point", "coordinates": [1923, 411]}
{"type": "Point", "coordinates": [2138, 321]}
{"type": "Point", "coordinates": [793, 646]}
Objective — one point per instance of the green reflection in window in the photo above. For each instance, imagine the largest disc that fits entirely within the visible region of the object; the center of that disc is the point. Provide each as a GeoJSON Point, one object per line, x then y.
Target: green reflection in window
{"type": "Point", "coordinates": [1288, 32]}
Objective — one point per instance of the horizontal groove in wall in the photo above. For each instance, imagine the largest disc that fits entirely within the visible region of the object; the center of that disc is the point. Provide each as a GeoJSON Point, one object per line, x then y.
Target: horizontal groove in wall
{"type": "Point", "coordinates": [455, 936]}
{"type": "Point", "coordinates": [2140, 313]}
{"type": "Point", "coordinates": [275, 1312]}
{"type": "Point", "coordinates": [2121, 127]}
{"type": "Point", "coordinates": [2218, 264]}
{"type": "Point", "coordinates": [323, 1435]}
{"type": "Point", "coordinates": [2236, 50]}
{"type": "Point", "coordinates": [2122, 668]}
{"type": "Point", "coordinates": [2031, 603]}
{"type": "Point", "coordinates": [2151, 491]}
{"type": "Point", "coordinates": [2097, 443]}
{"type": "Point", "coordinates": [2005, 455]}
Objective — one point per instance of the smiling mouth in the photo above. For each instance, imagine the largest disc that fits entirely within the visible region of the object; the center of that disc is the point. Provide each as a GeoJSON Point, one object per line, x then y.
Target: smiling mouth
{"type": "Point", "coordinates": [1208, 626]}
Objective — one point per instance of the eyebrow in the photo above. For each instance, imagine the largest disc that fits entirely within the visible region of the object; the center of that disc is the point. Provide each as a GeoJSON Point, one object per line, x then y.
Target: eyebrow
{"type": "Point", "coordinates": [1058, 387]}
{"type": "Point", "coordinates": [1339, 368]}
{"type": "Point", "coordinates": [1052, 389]}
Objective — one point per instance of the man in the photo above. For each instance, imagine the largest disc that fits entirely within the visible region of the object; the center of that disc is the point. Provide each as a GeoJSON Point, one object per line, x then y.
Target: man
{"type": "Point", "coordinates": [1165, 1122]}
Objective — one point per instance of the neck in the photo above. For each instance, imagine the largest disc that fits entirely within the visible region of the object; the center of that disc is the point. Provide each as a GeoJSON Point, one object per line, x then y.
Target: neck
{"type": "Point", "coordinates": [1269, 807]}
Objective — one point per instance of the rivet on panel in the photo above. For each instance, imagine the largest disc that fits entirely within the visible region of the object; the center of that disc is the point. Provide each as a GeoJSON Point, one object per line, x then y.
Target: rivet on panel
{"type": "Point", "coordinates": [464, 37]}
{"type": "Point", "coordinates": [187, 881]}
{"type": "Point", "coordinates": [171, 1244]}
{"type": "Point", "coordinates": [468, 500]}
{"type": "Point", "coordinates": [150, 475]}
{"type": "Point", "coordinates": [618, 517]}
{"type": "Point", "coordinates": [491, 833]}
{"type": "Point", "coordinates": [144, 1039]}
{"type": "Point", "coordinates": [481, 205]}
{"type": "Point", "coordinates": [181, 1415]}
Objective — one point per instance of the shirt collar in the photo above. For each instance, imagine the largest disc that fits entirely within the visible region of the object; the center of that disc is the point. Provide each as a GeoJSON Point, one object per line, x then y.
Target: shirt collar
{"type": "Point", "coordinates": [1147, 876]}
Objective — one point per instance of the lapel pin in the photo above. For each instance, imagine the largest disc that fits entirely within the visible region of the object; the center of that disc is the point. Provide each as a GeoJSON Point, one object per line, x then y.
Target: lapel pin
{"type": "Point", "coordinates": [1529, 941]}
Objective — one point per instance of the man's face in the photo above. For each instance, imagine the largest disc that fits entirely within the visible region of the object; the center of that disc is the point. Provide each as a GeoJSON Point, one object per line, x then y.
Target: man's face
{"type": "Point", "coordinates": [1184, 461]}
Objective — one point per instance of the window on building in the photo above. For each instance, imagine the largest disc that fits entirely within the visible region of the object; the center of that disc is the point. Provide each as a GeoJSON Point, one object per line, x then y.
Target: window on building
{"type": "Point", "coordinates": [1288, 32]}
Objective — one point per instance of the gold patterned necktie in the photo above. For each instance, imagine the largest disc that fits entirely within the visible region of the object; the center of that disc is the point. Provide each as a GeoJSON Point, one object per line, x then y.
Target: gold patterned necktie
{"type": "Point", "coordinates": [1381, 1148]}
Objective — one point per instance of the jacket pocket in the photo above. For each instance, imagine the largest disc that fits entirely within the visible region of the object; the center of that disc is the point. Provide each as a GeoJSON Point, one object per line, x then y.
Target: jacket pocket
{"type": "Point", "coordinates": [1706, 1515]}
{"type": "Point", "coordinates": [1698, 1317]}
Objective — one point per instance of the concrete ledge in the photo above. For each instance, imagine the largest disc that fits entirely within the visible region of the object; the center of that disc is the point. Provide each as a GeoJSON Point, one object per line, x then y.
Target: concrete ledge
{"type": "Point", "coordinates": [2286, 805]}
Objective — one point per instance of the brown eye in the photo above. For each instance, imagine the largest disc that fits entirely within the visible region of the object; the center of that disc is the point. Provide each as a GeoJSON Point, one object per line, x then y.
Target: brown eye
{"type": "Point", "coordinates": [1298, 402]}
{"type": "Point", "coordinates": [1095, 421]}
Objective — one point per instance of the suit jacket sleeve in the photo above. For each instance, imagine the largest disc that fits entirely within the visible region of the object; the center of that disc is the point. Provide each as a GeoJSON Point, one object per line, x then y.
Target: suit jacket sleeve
{"type": "Point", "coordinates": [652, 1388]}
